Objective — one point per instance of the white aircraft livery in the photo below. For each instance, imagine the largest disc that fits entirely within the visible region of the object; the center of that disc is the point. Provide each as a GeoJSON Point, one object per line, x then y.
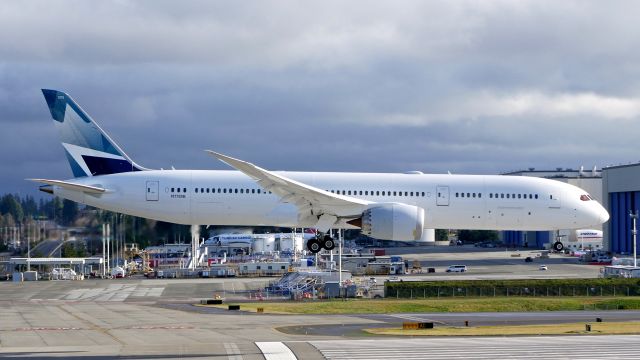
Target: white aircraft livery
{"type": "Point", "coordinates": [383, 206]}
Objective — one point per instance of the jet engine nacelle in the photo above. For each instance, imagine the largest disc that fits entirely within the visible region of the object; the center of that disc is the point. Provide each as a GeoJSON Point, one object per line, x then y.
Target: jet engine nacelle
{"type": "Point", "coordinates": [393, 222]}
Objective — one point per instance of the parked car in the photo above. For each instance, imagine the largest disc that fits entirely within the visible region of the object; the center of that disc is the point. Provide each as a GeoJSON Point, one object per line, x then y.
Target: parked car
{"type": "Point", "coordinates": [528, 259]}
{"type": "Point", "coordinates": [543, 267]}
{"type": "Point", "coordinates": [457, 268]}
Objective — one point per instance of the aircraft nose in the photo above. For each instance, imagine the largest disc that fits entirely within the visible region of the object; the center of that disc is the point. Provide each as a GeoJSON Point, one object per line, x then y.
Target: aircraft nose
{"type": "Point", "coordinates": [604, 215]}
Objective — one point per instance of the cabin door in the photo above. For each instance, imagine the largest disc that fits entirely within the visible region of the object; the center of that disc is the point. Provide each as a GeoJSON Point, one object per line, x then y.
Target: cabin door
{"type": "Point", "coordinates": [442, 195]}
{"type": "Point", "coordinates": [152, 190]}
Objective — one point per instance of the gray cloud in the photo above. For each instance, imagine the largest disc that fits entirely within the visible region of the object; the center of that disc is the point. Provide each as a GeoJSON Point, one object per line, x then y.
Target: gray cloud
{"type": "Point", "coordinates": [478, 87]}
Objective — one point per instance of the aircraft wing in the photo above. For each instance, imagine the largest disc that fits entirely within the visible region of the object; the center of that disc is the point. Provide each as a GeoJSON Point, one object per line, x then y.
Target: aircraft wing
{"type": "Point", "coordinates": [71, 186]}
{"type": "Point", "coordinates": [316, 207]}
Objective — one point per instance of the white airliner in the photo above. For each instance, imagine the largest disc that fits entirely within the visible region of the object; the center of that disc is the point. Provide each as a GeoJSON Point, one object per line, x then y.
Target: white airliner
{"type": "Point", "coordinates": [383, 206]}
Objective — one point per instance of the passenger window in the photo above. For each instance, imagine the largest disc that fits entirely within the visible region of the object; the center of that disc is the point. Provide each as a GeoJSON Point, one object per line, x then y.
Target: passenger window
{"type": "Point", "coordinates": [394, 193]}
{"type": "Point", "coordinates": [178, 190]}
{"type": "Point", "coordinates": [474, 194]}
{"type": "Point", "coordinates": [366, 192]}
{"type": "Point", "coordinates": [468, 195]}
{"type": "Point", "coordinates": [235, 191]}
{"type": "Point", "coordinates": [377, 193]}
{"type": "Point", "coordinates": [423, 194]}
{"type": "Point", "coordinates": [480, 195]}
{"type": "Point", "coordinates": [172, 189]}
{"type": "Point", "coordinates": [184, 190]}
{"type": "Point", "coordinates": [456, 194]}
{"type": "Point", "coordinates": [349, 192]}
{"type": "Point", "coordinates": [411, 193]}
{"type": "Point", "coordinates": [507, 196]}
{"type": "Point", "coordinates": [519, 196]}
{"type": "Point", "coordinates": [259, 191]}
{"type": "Point", "coordinates": [196, 190]}
{"type": "Point", "coordinates": [383, 193]}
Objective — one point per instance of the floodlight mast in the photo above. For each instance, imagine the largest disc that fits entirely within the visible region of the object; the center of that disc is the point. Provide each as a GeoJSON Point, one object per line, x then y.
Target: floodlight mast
{"type": "Point", "coordinates": [634, 232]}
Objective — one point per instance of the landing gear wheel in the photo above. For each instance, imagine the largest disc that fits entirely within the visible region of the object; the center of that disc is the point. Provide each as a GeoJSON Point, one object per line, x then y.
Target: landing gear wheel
{"type": "Point", "coordinates": [328, 243]}
{"type": "Point", "coordinates": [558, 246]}
{"type": "Point", "coordinates": [313, 245]}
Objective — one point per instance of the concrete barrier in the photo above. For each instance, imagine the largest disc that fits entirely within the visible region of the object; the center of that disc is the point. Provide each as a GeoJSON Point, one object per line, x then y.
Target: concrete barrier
{"type": "Point", "coordinates": [211, 302]}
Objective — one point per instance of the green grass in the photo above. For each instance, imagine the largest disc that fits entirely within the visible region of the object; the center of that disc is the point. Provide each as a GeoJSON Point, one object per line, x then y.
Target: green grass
{"type": "Point", "coordinates": [498, 304]}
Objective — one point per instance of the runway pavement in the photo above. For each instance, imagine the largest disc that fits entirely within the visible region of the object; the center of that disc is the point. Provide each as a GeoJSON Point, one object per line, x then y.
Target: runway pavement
{"type": "Point", "coordinates": [144, 318]}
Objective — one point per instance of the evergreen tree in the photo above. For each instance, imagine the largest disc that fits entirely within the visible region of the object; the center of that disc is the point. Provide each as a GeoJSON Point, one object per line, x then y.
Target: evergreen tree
{"type": "Point", "coordinates": [69, 212]}
{"type": "Point", "coordinates": [9, 205]}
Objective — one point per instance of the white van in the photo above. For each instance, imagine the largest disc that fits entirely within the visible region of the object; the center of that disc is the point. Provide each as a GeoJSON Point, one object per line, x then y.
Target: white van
{"type": "Point", "coordinates": [457, 268]}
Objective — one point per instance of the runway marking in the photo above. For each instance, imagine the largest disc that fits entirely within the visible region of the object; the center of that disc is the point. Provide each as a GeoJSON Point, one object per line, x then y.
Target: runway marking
{"type": "Point", "coordinates": [113, 292]}
{"type": "Point", "coordinates": [232, 351]}
{"type": "Point", "coordinates": [414, 318]}
{"type": "Point", "coordinates": [46, 329]}
{"type": "Point", "coordinates": [574, 347]}
{"type": "Point", "coordinates": [276, 351]}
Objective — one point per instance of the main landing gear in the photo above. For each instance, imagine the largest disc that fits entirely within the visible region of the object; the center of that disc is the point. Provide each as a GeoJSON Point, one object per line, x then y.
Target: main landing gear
{"type": "Point", "coordinates": [317, 244]}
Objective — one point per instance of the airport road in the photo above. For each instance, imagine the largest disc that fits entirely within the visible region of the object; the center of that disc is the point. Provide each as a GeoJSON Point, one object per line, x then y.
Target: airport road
{"type": "Point", "coordinates": [46, 248]}
{"type": "Point", "coordinates": [491, 264]}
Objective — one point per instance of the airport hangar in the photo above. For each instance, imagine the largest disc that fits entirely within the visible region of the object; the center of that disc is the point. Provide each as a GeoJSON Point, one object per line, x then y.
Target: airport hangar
{"type": "Point", "coordinates": [621, 185]}
{"type": "Point", "coordinates": [589, 180]}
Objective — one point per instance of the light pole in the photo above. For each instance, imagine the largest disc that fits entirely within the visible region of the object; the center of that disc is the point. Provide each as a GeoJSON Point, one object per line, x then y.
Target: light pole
{"type": "Point", "coordinates": [634, 232]}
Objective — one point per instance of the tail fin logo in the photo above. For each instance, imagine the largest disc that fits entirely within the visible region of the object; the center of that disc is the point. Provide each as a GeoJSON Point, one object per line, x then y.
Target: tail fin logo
{"type": "Point", "coordinates": [90, 151]}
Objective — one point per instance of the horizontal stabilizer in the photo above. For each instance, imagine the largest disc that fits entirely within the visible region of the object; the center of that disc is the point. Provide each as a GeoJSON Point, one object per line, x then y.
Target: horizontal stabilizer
{"type": "Point", "coordinates": [72, 186]}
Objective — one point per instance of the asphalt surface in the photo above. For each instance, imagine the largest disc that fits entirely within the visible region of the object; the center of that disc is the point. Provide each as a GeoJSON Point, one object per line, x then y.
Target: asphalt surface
{"type": "Point", "coordinates": [155, 319]}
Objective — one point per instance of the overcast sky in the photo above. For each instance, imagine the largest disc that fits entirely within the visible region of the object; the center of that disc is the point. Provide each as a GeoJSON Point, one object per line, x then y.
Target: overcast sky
{"type": "Point", "coordinates": [477, 87]}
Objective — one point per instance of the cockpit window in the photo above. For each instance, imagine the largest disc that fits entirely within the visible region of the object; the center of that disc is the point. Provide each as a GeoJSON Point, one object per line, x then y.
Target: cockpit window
{"type": "Point", "coordinates": [585, 197]}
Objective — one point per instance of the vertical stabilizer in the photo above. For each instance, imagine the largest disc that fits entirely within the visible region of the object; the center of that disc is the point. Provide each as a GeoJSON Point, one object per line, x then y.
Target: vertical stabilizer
{"type": "Point", "coordinates": [89, 150]}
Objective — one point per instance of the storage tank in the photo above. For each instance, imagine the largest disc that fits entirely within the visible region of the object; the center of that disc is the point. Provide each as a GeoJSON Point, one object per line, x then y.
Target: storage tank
{"type": "Point", "coordinates": [291, 243]}
{"type": "Point", "coordinates": [263, 243]}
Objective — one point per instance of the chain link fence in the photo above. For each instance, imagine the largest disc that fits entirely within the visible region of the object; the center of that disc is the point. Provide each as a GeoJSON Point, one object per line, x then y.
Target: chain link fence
{"type": "Point", "coordinates": [415, 292]}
